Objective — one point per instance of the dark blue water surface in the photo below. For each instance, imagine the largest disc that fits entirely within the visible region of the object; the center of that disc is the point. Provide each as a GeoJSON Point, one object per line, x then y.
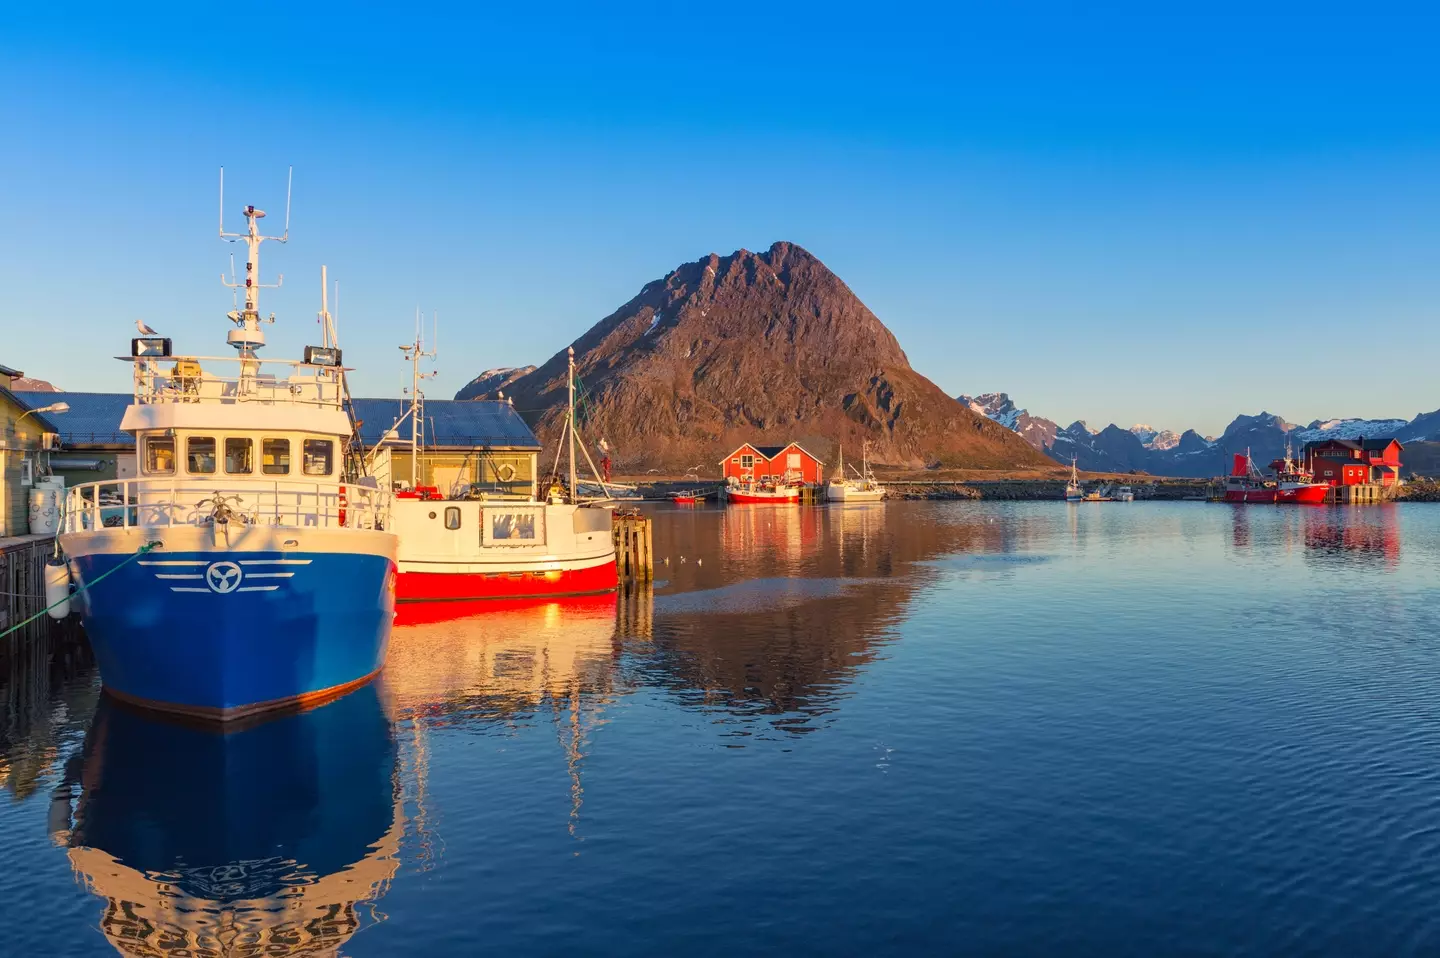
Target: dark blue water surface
{"type": "Point", "coordinates": [968, 728]}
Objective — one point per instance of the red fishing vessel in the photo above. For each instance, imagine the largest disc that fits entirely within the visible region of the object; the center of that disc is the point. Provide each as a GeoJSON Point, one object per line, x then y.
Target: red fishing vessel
{"type": "Point", "coordinates": [753, 493]}
{"type": "Point", "coordinates": [1291, 483]}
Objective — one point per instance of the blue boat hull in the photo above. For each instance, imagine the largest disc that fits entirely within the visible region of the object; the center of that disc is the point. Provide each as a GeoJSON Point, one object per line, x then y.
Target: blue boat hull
{"type": "Point", "coordinates": [226, 634]}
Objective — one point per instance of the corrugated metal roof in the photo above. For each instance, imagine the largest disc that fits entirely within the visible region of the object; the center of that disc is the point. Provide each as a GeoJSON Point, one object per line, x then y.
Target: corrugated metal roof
{"type": "Point", "coordinates": [453, 423]}
{"type": "Point", "coordinates": [94, 419]}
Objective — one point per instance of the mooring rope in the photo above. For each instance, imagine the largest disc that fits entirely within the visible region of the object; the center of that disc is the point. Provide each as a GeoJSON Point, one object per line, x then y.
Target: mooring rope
{"type": "Point", "coordinates": [142, 550]}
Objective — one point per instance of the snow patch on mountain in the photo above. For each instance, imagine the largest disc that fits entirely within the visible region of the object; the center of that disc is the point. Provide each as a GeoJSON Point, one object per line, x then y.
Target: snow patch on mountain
{"type": "Point", "coordinates": [1154, 438]}
{"type": "Point", "coordinates": [1322, 429]}
{"type": "Point", "coordinates": [997, 407]}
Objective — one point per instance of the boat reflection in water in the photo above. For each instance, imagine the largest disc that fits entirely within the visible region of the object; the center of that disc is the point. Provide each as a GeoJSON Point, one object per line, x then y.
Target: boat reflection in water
{"type": "Point", "coordinates": [270, 840]}
{"type": "Point", "coordinates": [498, 664]}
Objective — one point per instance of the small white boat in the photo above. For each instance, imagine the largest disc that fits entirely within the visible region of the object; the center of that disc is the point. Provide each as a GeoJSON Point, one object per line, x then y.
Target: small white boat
{"type": "Point", "coordinates": [1073, 492]}
{"type": "Point", "coordinates": [862, 488]}
{"type": "Point", "coordinates": [1124, 494]}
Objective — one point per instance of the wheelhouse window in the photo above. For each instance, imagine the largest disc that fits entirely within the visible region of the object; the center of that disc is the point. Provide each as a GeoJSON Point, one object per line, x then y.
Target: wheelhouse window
{"type": "Point", "coordinates": [319, 456]}
{"type": "Point", "coordinates": [200, 455]}
{"type": "Point", "coordinates": [159, 456]}
{"type": "Point", "coordinates": [452, 517]}
{"type": "Point", "coordinates": [512, 526]}
{"type": "Point", "coordinates": [239, 456]}
{"type": "Point", "coordinates": [275, 457]}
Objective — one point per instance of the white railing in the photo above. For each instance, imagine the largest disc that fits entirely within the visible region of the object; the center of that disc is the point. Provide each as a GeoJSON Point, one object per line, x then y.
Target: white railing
{"type": "Point", "coordinates": [184, 379]}
{"type": "Point", "coordinates": [163, 503]}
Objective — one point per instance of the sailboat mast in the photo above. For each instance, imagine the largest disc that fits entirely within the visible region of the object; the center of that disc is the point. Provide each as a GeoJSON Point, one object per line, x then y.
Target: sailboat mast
{"type": "Point", "coordinates": [570, 419]}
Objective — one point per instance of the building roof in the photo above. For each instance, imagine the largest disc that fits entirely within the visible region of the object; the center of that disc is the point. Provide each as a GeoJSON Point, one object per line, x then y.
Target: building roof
{"type": "Point", "coordinates": [94, 419]}
{"type": "Point", "coordinates": [7, 371]}
{"type": "Point", "coordinates": [1384, 443]}
{"type": "Point", "coordinates": [449, 423]}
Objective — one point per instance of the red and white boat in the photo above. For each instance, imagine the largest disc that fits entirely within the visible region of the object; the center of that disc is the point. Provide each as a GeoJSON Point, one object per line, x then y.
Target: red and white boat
{"type": "Point", "coordinates": [462, 548]}
{"type": "Point", "coordinates": [753, 493]}
{"type": "Point", "coordinates": [1291, 483]}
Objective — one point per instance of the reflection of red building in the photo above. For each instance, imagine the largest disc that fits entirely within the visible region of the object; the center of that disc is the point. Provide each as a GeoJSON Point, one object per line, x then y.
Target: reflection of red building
{"type": "Point", "coordinates": [1352, 462]}
{"type": "Point", "coordinates": [771, 464]}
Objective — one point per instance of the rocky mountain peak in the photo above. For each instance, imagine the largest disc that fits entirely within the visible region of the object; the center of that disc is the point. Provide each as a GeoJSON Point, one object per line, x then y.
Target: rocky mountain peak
{"type": "Point", "coordinates": [761, 347]}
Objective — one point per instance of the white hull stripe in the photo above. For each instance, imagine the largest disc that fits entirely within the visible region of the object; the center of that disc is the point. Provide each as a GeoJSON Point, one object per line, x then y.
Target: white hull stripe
{"type": "Point", "coordinates": [275, 561]}
{"type": "Point", "coordinates": [269, 575]}
{"type": "Point", "coordinates": [187, 575]}
{"type": "Point", "coordinates": [189, 562]}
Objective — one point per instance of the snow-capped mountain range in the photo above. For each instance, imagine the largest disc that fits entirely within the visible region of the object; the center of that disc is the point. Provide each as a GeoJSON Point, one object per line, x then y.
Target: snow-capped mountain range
{"type": "Point", "coordinates": [1163, 452]}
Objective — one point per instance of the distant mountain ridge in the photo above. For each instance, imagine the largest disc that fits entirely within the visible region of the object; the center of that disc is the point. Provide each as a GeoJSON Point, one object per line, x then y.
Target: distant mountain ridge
{"type": "Point", "coordinates": [1143, 448]}
{"type": "Point", "coordinates": [761, 347]}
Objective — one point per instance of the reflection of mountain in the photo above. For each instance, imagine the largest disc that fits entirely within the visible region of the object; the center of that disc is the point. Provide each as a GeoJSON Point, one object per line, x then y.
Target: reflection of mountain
{"type": "Point", "coordinates": [266, 841]}
{"type": "Point", "coordinates": [785, 604]}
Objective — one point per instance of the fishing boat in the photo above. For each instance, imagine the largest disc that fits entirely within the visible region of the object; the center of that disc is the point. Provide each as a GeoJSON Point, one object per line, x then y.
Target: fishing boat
{"type": "Point", "coordinates": [250, 566]}
{"type": "Point", "coordinates": [459, 546]}
{"type": "Point", "coordinates": [687, 498]}
{"type": "Point", "coordinates": [740, 492]}
{"type": "Point", "coordinates": [862, 488]}
{"type": "Point", "coordinates": [1291, 483]}
{"type": "Point", "coordinates": [1073, 491]}
{"type": "Point", "coordinates": [1124, 494]}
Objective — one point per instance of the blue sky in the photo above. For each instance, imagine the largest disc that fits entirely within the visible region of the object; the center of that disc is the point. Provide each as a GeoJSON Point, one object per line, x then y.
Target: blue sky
{"type": "Point", "coordinates": [1112, 214]}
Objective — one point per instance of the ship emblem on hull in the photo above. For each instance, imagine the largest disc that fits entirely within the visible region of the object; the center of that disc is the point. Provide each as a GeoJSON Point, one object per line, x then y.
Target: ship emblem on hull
{"type": "Point", "coordinates": [223, 577]}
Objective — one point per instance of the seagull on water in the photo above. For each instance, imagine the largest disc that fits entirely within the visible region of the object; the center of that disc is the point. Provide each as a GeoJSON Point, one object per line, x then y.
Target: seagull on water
{"type": "Point", "coordinates": [144, 330]}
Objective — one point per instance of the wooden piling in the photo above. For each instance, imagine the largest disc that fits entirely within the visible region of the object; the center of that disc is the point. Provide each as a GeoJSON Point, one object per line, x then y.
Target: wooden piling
{"type": "Point", "coordinates": [634, 549]}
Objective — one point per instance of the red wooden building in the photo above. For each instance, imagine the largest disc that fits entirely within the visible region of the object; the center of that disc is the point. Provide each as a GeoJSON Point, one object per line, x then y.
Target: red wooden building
{"type": "Point", "coordinates": [792, 463]}
{"type": "Point", "coordinates": [1351, 462]}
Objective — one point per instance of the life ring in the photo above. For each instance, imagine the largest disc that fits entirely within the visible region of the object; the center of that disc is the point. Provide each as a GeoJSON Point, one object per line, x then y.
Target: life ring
{"type": "Point", "coordinates": [505, 471]}
{"type": "Point", "coordinates": [344, 503]}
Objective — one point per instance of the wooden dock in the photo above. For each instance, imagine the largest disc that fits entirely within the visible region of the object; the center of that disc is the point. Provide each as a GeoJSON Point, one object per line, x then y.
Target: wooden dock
{"type": "Point", "coordinates": [1367, 493]}
{"type": "Point", "coordinates": [22, 582]}
{"type": "Point", "coordinates": [634, 548]}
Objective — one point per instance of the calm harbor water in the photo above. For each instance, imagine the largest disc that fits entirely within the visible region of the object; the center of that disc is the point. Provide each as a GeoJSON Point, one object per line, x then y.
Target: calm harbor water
{"type": "Point", "coordinates": [986, 728]}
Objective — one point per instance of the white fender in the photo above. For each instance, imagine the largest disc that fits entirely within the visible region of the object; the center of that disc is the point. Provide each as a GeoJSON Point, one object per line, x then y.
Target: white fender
{"type": "Point", "coordinates": [57, 588]}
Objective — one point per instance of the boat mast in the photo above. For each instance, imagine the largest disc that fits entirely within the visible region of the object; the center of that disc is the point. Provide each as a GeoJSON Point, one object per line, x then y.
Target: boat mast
{"type": "Point", "coordinates": [414, 352]}
{"type": "Point", "coordinates": [570, 423]}
{"type": "Point", "coordinates": [248, 337]}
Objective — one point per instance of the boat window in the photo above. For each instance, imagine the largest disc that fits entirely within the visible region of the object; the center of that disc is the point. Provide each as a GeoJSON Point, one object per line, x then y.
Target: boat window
{"type": "Point", "coordinates": [452, 517]}
{"type": "Point", "coordinates": [318, 454]}
{"type": "Point", "coordinates": [200, 455]}
{"type": "Point", "coordinates": [160, 455]}
{"type": "Point", "coordinates": [275, 457]}
{"type": "Point", "coordinates": [239, 456]}
{"type": "Point", "coordinates": [512, 525]}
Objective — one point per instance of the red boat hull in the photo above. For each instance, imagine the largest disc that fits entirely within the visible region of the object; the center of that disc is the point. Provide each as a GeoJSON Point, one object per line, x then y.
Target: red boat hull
{"type": "Point", "coordinates": [754, 498]}
{"type": "Point", "coordinates": [1312, 495]}
{"type": "Point", "coordinates": [684, 500]}
{"type": "Point", "coordinates": [461, 586]}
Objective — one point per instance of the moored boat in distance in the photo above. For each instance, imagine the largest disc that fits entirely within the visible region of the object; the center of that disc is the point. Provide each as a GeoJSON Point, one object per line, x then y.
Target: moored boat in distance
{"type": "Point", "coordinates": [758, 493]}
{"type": "Point", "coordinates": [1124, 494]}
{"type": "Point", "coordinates": [862, 488]}
{"type": "Point", "coordinates": [249, 566]}
{"type": "Point", "coordinates": [1291, 483]}
{"type": "Point", "coordinates": [1073, 491]}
